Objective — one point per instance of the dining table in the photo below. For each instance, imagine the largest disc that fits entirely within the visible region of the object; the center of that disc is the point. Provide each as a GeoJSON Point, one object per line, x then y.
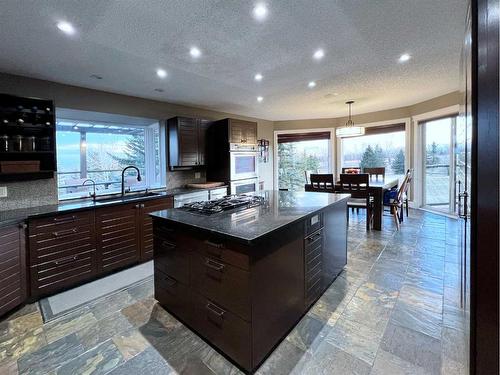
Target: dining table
{"type": "Point", "coordinates": [376, 189]}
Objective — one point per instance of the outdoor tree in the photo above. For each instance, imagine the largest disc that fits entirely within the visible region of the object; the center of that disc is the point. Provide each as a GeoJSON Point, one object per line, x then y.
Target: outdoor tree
{"type": "Point", "coordinates": [134, 152]}
{"type": "Point", "coordinates": [293, 165]}
{"type": "Point", "coordinates": [432, 154]}
{"type": "Point", "coordinates": [398, 163]}
{"type": "Point", "coordinates": [372, 157]}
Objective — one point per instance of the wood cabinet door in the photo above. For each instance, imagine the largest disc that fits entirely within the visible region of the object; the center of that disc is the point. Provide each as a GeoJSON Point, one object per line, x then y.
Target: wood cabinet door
{"type": "Point", "coordinates": [146, 224]}
{"type": "Point", "coordinates": [241, 131]}
{"type": "Point", "coordinates": [117, 236]}
{"type": "Point", "coordinates": [12, 268]}
{"type": "Point", "coordinates": [202, 134]}
{"type": "Point", "coordinates": [188, 142]}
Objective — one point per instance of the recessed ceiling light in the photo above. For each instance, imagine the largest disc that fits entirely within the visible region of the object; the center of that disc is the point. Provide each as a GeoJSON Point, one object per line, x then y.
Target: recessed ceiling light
{"type": "Point", "coordinates": [260, 99]}
{"type": "Point", "coordinates": [162, 73]}
{"type": "Point", "coordinates": [319, 54]}
{"type": "Point", "coordinates": [311, 84]}
{"type": "Point", "coordinates": [260, 11]}
{"type": "Point", "coordinates": [66, 27]}
{"type": "Point", "coordinates": [258, 77]}
{"type": "Point", "coordinates": [404, 57]}
{"type": "Point", "coordinates": [195, 52]}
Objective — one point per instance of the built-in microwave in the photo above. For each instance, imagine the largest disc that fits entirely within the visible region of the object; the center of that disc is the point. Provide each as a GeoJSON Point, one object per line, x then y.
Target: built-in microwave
{"type": "Point", "coordinates": [244, 186]}
{"type": "Point", "coordinates": [243, 164]}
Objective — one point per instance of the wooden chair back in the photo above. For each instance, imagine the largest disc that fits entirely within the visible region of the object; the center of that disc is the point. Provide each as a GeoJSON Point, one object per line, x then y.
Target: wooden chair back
{"type": "Point", "coordinates": [403, 188]}
{"type": "Point", "coordinates": [322, 181]}
{"type": "Point", "coordinates": [355, 184]}
{"type": "Point", "coordinates": [377, 171]}
{"type": "Point", "coordinates": [347, 169]}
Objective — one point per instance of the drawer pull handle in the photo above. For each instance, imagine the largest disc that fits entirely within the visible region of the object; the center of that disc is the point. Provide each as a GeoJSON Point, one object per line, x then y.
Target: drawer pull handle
{"type": "Point", "coordinates": [170, 281]}
{"type": "Point", "coordinates": [214, 265]}
{"type": "Point", "coordinates": [214, 244]}
{"type": "Point", "coordinates": [65, 219]}
{"type": "Point", "coordinates": [215, 310]}
{"type": "Point", "coordinates": [168, 245]}
{"type": "Point", "coordinates": [66, 260]}
{"type": "Point", "coordinates": [64, 232]}
{"type": "Point", "coordinates": [315, 237]}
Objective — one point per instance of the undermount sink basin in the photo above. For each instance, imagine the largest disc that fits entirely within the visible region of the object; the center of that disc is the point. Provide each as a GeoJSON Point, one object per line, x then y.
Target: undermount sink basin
{"type": "Point", "coordinates": [127, 197]}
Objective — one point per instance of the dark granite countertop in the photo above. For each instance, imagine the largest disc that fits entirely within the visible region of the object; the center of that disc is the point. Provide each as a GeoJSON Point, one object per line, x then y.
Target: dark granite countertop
{"type": "Point", "coordinates": [13, 217]}
{"type": "Point", "coordinates": [283, 208]}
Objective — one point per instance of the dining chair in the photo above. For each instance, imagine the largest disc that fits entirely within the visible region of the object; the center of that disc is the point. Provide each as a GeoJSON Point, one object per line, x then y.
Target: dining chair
{"type": "Point", "coordinates": [375, 171]}
{"type": "Point", "coordinates": [322, 182]}
{"type": "Point", "coordinates": [358, 186]}
{"type": "Point", "coordinates": [396, 204]}
{"type": "Point", "coordinates": [351, 170]}
{"type": "Point", "coordinates": [409, 177]}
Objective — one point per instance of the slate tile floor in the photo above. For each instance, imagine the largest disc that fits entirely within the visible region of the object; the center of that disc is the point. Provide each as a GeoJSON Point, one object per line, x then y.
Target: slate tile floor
{"type": "Point", "coordinates": [394, 310]}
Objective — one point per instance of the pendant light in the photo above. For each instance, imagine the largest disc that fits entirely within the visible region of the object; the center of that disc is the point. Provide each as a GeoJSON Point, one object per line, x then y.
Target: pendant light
{"type": "Point", "coordinates": [349, 130]}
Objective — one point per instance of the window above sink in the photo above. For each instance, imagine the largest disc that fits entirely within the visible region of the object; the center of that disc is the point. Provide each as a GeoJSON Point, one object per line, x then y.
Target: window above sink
{"type": "Point", "coordinates": [98, 146]}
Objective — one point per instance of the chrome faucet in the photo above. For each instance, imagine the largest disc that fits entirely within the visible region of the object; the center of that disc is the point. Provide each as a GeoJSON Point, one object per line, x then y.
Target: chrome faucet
{"type": "Point", "coordinates": [93, 195]}
{"type": "Point", "coordinates": [123, 177]}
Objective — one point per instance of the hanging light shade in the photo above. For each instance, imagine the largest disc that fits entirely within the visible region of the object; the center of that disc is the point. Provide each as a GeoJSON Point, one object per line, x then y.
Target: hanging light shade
{"type": "Point", "coordinates": [349, 130]}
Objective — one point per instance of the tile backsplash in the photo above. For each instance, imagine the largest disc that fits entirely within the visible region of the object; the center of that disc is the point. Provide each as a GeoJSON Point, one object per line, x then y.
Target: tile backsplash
{"type": "Point", "coordinates": [26, 194]}
{"type": "Point", "coordinates": [181, 178]}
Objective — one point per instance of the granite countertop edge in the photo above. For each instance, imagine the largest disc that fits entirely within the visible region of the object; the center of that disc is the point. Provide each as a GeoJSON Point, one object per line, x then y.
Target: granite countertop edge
{"type": "Point", "coordinates": [250, 240]}
{"type": "Point", "coordinates": [18, 216]}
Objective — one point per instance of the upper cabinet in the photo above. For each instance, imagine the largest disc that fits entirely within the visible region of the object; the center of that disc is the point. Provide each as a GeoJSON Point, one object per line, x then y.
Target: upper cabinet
{"type": "Point", "coordinates": [186, 139]}
{"type": "Point", "coordinates": [241, 131]}
{"type": "Point", "coordinates": [27, 138]}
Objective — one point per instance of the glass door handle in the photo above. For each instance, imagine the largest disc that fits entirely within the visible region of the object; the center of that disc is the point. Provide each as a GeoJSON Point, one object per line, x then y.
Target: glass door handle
{"type": "Point", "coordinates": [462, 205]}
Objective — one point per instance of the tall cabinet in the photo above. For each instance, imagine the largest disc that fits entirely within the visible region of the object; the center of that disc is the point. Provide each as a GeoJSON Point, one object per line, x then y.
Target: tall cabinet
{"type": "Point", "coordinates": [186, 140]}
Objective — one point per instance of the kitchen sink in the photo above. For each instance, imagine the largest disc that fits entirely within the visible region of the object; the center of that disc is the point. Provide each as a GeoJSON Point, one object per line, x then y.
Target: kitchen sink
{"type": "Point", "coordinates": [126, 198]}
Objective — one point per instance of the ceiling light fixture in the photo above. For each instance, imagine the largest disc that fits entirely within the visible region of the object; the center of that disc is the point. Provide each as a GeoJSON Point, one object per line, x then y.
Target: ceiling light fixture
{"type": "Point", "coordinates": [311, 84]}
{"type": "Point", "coordinates": [260, 12]}
{"type": "Point", "coordinates": [404, 57]}
{"type": "Point", "coordinates": [349, 130]}
{"type": "Point", "coordinates": [162, 73]}
{"type": "Point", "coordinates": [195, 52]}
{"type": "Point", "coordinates": [319, 54]}
{"type": "Point", "coordinates": [66, 27]}
{"type": "Point", "coordinates": [260, 99]}
{"type": "Point", "coordinates": [258, 77]}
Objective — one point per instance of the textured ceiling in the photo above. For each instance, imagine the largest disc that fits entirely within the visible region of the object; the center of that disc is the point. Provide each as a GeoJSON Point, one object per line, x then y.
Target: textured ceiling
{"type": "Point", "coordinates": [125, 42]}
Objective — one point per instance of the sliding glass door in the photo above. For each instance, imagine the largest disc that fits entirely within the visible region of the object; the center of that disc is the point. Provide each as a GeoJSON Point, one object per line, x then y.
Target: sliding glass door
{"type": "Point", "coordinates": [441, 166]}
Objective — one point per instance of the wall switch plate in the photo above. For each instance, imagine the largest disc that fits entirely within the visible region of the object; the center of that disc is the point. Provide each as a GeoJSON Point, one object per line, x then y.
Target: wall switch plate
{"type": "Point", "coordinates": [3, 191]}
{"type": "Point", "coordinates": [197, 175]}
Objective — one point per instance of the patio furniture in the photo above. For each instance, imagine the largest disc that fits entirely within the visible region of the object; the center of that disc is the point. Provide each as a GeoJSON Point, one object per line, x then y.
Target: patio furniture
{"type": "Point", "coordinates": [358, 186]}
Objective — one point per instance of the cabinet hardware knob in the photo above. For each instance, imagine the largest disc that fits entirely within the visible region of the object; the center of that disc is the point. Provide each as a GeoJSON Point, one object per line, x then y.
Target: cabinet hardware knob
{"type": "Point", "coordinates": [214, 265]}
{"type": "Point", "coordinates": [215, 310]}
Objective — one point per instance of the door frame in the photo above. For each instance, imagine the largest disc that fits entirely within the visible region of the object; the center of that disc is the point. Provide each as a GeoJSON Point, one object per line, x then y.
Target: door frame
{"type": "Point", "coordinates": [485, 187]}
{"type": "Point", "coordinates": [418, 173]}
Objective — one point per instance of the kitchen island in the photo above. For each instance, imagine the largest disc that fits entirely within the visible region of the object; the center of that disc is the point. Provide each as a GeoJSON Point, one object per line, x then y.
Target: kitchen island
{"type": "Point", "coordinates": [243, 278]}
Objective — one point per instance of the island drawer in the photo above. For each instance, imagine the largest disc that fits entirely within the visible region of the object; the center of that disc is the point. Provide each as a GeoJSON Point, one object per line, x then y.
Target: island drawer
{"type": "Point", "coordinates": [223, 283]}
{"type": "Point", "coordinates": [222, 328]}
{"type": "Point", "coordinates": [60, 222]}
{"type": "Point", "coordinates": [226, 252]}
{"type": "Point", "coordinates": [173, 295]}
{"type": "Point", "coordinates": [172, 258]}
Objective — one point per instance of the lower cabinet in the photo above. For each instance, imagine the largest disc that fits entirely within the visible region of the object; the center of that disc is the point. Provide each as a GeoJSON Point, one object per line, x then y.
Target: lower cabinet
{"type": "Point", "coordinates": [68, 249]}
{"type": "Point", "coordinates": [12, 268]}
{"type": "Point", "coordinates": [117, 236]}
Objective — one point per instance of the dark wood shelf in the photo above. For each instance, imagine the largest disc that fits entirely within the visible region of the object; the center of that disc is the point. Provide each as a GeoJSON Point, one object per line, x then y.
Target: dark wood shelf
{"type": "Point", "coordinates": [35, 113]}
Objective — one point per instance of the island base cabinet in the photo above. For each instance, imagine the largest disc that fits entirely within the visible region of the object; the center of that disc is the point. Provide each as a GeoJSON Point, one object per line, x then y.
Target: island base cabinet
{"type": "Point", "coordinates": [223, 329]}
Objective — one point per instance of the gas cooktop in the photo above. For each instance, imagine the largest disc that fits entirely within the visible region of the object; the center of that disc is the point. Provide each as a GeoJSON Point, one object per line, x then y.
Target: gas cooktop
{"type": "Point", "coordinates": [224, 204]}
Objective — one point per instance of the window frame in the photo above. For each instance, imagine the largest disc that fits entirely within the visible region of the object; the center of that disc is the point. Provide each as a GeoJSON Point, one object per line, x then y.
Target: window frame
{"type": "Point", "coordinates": [149, 178]}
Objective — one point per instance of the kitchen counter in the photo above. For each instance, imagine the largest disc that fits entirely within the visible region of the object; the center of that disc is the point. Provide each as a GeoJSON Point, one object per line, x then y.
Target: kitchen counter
{"type": "Point", "coordinates": [282, 208]}
{"type": "Point", "coordinates": [13, 217]}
